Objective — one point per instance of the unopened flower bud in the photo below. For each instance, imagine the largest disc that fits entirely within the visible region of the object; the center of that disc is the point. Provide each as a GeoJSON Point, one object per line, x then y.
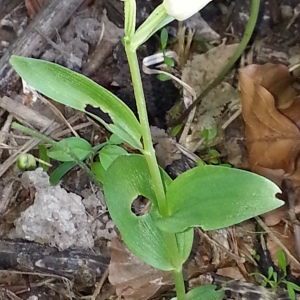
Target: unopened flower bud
{"type": "Point", "coordinates": [26, 162]}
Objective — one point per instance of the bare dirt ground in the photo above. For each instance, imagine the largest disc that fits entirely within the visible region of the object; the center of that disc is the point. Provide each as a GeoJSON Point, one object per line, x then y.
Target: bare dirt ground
{"type": "Point", "coordinates": [58, 242]}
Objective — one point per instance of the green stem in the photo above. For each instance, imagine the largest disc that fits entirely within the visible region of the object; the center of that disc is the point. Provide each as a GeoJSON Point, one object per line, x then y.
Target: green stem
{"type": "Point", "coordinates": [179, 284]}
{"type": "Point", "coordinates": [149, 153]}
{"type": "Point", "coordinates": [50, 141]}
{"type": "Point", "coordinates": [238, 52]}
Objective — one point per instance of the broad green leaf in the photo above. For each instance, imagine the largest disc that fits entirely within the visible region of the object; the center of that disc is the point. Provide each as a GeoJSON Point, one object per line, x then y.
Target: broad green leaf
{"type": "Point", "coordinates": [214, 197]}
{"type": "Point", "coordinates": [110, 153]}
{"type": "Point", "coordinates": [77, 146]}
{"type": "Point", "coordinates": [115, 140]}
{"type": "Point", "coordinates": [77, 91]}
{"type": "Point", "coordinates": [126, 179]}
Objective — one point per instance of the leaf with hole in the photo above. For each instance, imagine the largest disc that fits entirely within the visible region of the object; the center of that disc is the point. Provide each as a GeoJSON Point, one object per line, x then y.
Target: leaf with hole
{"type": "Point", "coordinates": [77, 91]}
{"type": "Point", "coordinates": [214, 197]}
{"type": "Point", "coordinates": [127, 178]}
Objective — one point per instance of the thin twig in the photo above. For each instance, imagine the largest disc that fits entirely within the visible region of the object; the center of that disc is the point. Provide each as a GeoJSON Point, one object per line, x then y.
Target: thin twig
{"type": "Point", "coordinates": [100, 284]}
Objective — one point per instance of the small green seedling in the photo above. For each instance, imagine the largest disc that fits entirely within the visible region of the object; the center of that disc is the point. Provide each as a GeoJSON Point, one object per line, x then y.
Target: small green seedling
{"type": "Point", "coordinates": [274, 281]}
{"type": "Point", "coordinates": [173, 114]}
{"type": "Point", "coordinates": [209, 133]}
{"type": "Point", "coordinates": [213, 155]}
{"type": "Point", "coordinates": [211, 197]}
{"type": "Point", "coordinates": [164, 36]}
{"type": "Point", "coordinates": [70, 150]}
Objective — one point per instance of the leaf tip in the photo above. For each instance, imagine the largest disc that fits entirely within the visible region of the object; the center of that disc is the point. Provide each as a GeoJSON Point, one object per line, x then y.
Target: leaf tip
{"type": "Point", "coordinates": [13, 59]}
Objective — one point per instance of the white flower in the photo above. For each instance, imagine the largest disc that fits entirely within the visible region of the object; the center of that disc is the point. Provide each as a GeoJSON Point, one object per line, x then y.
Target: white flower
{"type": "Point", "coordinates": [183, 9]}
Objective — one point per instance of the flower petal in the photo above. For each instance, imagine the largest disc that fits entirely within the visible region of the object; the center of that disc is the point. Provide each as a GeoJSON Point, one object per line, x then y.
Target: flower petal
{"type": "Point", "coordinates": [183, 9]}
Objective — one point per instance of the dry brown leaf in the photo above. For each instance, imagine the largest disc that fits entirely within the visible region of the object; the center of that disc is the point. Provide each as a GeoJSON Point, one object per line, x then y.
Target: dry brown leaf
{"type": "Point", "coordinates": [276, 79]}
{"type": "Point", "coordinates": [293, 111]}
{"type": "Point", "coordinates": [273, 140]}
{"type": "Point", "coordinates": [133, 278]}
{"type": "Point", "coordinates": [270, 109]}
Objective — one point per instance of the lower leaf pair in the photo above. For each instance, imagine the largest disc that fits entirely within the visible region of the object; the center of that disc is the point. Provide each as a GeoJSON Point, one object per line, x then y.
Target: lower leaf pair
{"type": "Point", "coordinates": [211, 197]}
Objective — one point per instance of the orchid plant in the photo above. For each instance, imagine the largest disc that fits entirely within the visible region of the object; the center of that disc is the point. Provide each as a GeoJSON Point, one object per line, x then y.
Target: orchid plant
{"type": "Point", "coordinates": [211, 197]}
